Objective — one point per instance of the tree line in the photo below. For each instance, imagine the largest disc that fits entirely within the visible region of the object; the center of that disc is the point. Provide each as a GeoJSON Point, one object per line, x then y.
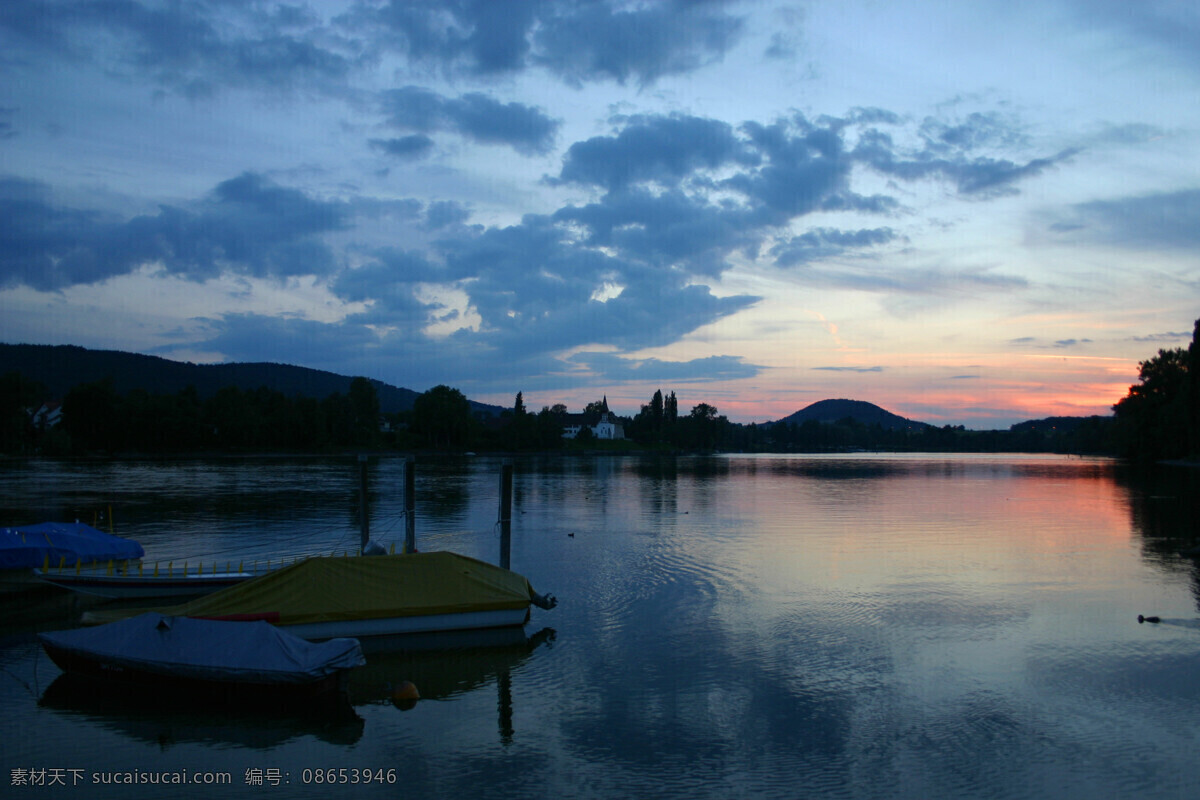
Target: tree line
{"type": "Point", "coordinates": [1160, 416]}
{"type": "Point", "coordinates": [1158, 419]}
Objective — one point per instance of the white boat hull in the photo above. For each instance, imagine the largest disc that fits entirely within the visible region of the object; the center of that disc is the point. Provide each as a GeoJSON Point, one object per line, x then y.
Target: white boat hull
{"type": "Point", "coordinates": [389, 626]}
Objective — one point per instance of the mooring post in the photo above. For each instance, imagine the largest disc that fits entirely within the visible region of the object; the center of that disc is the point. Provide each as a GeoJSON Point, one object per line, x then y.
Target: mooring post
{"type": "Point", "coordinates": [365, 521]}
{"type": "Point", "coordinates": [410, 506]}
{"type": "Point", "coordinates": [506, 474]}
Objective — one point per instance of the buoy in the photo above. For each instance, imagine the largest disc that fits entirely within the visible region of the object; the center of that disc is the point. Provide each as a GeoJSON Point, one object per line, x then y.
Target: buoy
{"type": "Point", "coordinates": [405, 695]}
{"type": "Point", "coordinates": [406, 690]}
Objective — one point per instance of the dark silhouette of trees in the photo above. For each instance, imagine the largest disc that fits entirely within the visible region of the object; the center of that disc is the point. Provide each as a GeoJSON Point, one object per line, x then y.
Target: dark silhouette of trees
{"type": "Point", "coordinates": [1155, 417]}
{"type": "Point", "coordinates": [17, 396]}
{"type": "Point", "coordinates": [441, 417]}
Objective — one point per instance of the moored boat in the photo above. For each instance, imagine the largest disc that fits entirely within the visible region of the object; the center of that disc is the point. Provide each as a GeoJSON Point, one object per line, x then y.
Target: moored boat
{"type": "Point", "coordinates": [126, 583]}
{"type": "Point", "coordinates": [370, 596]}
{"type": "Point", "coordinates": [56, 544]}
{"type": "Point", "coordinates": [256, 661]}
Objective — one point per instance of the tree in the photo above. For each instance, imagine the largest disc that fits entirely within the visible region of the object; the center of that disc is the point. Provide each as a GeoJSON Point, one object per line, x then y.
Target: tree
{"type": "Point", "coordinates": [364, 412]}
{"type": "Point", "coordinates": [443, 416]}
{"type": "Point", "coordinates": [90, 415]}
{"type": "Point", "coordinates": [1153, 419]}
{"type": "Point", "coordinates": [18, 396]}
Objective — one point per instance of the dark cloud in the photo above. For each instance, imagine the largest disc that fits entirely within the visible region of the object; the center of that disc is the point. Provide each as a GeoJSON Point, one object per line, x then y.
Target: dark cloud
{"type": "Point", "coordinates": [980, 175]}
{"type": "Point", "coordinates": [478, 37]}
{"type": "Point", "coordinates": [779, 172]}
{"type": "Point", "coordinates": [580, 41]}
{"type": "Point", "coordinates": [195, 48]}
{"type": "Point", "coordinates": [475, 116]}
{"type": "Point", "coordinates": [584, 41]}
{"type": "Point", "coordinates": [336, 347]}
{"type": "Point", "coordinates": [951, 152]}
{"type": "Point", "coordinates": [444, 214]}
{"type": "Point", "coordinates": [667, 229]}
{"type": "Point", "coordinates": [561, 280]}
{"type": "Point", "coordinates": [418, 145]}
{"type": "Point", "coordinates": [1154, 221]}
{"type": "Point", "coordinates": [611, 368]}
{"type": "Point", "coordinates": [657, 149]}
{"type": "Point", "coordinates": [7, 131]}
{"type": "Point", "coordinates": [824, 243]}
{"type": "Point", "coordinates": [1171, 336]}
{"type": "Point", "coordinates": [248, 225]}
{"type": "Point", "coordinates": [391, 269]}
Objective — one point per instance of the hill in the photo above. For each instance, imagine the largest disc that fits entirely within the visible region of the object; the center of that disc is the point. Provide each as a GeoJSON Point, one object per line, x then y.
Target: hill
{"type": "Point", "coordinates": [868, 414]}
{"type": "Point", "coordinates": [61, 367]}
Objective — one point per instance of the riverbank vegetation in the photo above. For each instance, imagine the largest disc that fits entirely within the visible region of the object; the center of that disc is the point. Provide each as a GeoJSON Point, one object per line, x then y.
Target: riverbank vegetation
{"type": "Point", "coordinates": [1158, 419]}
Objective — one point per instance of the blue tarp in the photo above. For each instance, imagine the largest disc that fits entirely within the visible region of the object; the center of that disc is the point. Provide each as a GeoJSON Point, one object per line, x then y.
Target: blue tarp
{"type": "Point", "coordinates": [27, 546]}
{"type": "Point", "coordinates": [209, 650]}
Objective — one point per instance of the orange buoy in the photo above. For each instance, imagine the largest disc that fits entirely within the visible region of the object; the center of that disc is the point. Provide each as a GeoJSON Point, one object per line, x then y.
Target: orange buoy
{"type": "Point", "coordinates": [406, 690]}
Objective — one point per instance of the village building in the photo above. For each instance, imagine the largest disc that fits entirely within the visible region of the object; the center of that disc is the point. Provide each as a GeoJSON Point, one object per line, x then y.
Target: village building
{"type": "Point", "coordinates": [603, 425]}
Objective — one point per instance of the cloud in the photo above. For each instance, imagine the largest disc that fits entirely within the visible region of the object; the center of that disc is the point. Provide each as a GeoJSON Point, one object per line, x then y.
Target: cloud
{"type": "Point", "coordinates": [661, 149]}
{"type": "Point", "coordinates": [444, 214]}
{"type": "Point", "coordinates": [929, 281]}
{"type": "Point", "coordinates": [7, 131]}
{"type": "Point", "coordinates": [850, 369]}
{"type": "Point", "coordinates": [950, 153]}
{"type": "Point", "coordinates": [612, 368]}
{"type": "Point", "coordinates": [822, 243]}
{"type": "Point", "coordinates": [247, 225]}
{"type": "Point", "coordinates": [193, 48]}
{"type": "Point", "coordinates": [418, 145]}
{"type": "Point", "coordinates": [1154, 221]}
{"type": "Point", "coordinates": [475, 116]}
{"type": "Point", "coordinates": [577, 41]}
{"type": "Point", "coordinates": [557, 306]}
{"type": "Point", "coordinates": [583, 42]}
{"type": "Point", "coordinates": [667, 229]}
{"type": "Point", "coordinates": [1171, 336]}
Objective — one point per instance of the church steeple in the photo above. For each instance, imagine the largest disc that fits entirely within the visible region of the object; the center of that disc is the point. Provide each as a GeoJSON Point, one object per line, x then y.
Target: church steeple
{"type": "Point", "coordinates": [604, 405]}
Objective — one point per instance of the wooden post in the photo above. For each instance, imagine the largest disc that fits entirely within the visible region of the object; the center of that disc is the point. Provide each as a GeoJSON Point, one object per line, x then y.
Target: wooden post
{"type": "Point", "coordinates": [506, 475]}
{"type": "Point", "coordinates": [410, 506]}
{"type": "Point", "coordinates": [365, 521]}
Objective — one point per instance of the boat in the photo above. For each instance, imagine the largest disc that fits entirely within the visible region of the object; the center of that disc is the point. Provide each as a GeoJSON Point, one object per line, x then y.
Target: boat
{"type": "Point", "coordinates": [325, 597]}
{"type": "Point", "coordinates": [126, 583]}
{"type": "Point", "coordinates": [56, 544]}
{"type": "Point", "coordinates": [253, 661]}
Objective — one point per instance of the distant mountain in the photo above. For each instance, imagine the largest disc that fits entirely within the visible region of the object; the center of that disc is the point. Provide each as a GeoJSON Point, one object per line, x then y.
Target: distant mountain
{"type": "Point", "coordinates": [832, 411]}
{"type": "Point", "coordinates": [61, 367]}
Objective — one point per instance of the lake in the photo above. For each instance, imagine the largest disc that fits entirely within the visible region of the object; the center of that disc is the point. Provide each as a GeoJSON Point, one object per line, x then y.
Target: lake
{"type": "Point", "coordinates": [850, 626]}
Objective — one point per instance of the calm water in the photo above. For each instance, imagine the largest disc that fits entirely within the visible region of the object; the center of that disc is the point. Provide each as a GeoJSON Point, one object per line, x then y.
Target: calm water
{"type": "Point", "coordinates": [859, 627]}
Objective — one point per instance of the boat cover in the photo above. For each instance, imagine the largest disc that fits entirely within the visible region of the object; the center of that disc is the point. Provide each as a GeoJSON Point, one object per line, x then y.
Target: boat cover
{"type": "Point", "coordinates": [329, 589]}
{"type": "Point", "coordinates": [203, 649]}
{"type": "Point", "coordinates": [28, 546]}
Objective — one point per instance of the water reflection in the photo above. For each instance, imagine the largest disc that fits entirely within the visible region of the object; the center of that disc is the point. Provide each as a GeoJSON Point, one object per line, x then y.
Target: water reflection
{"type": "Point", "coordinates": [844, 626]}
{"type": "Point", "coordinates": [168, 720]}
{"type": "Point", "coordinates": [1164, 508]}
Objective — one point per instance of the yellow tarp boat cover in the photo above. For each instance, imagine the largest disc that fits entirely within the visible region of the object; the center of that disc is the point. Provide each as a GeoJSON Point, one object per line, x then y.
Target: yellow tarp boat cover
{"type": "Point", "coordinates": [356, 588]}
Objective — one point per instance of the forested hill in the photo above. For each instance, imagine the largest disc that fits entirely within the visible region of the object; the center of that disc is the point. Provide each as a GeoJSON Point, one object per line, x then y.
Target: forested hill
{"type": "Point", "coordinates": [62, 367]}
{"type": "Point", "coordinates": [833, 411]}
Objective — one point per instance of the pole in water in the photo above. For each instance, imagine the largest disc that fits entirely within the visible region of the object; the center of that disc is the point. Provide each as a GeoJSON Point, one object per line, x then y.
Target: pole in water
{"type": "Point", "coordinates": [506, 475]}
{"type": "Point", "coordinates": [365, 522]}
{"type": "Point", "coordinates": [410, 506]}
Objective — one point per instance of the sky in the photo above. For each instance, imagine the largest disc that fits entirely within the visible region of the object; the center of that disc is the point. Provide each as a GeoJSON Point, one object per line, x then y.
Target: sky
{"type": "Point", "coordinates": [967, 213]}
